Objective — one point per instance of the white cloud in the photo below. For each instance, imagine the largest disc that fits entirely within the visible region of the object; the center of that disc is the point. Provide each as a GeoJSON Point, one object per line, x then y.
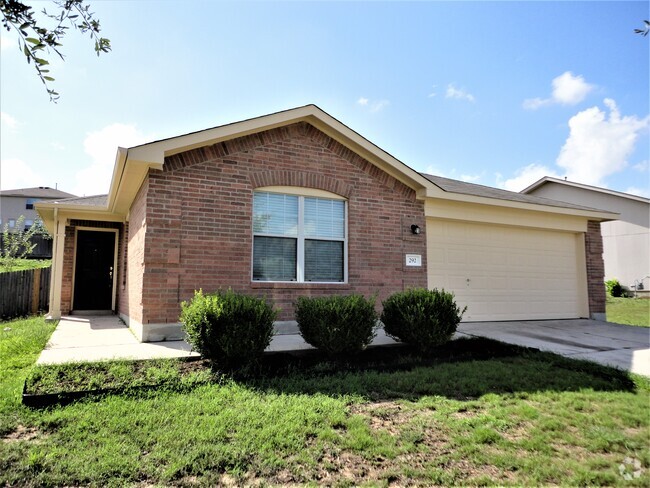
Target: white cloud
{"type": "Point", "coordinates": [471, 178]}
{"type": "Point", "coordinates": [453, 173]}
{"type": "Point", "coordinates": [642, 167]}
{"type": "Point", "coordinates": [458, 93]}
{"type": "Point", "coordinates": [567, 90]}
{"type": "Point", "coordinates": [373, 105]}
{"type": "Point", "coordinates": [433, 93]}
{"type": "Point", "coordinates": [525, 177]}
{"type": "Point", "coordinates": [7, 42]}
{"type": "Point", "coordinates": [102, 146]}
{"type": "Point", "coordinates": [599, 145]}
{"type": "Point", "coordinates": [16, 173]}
{"type": "Point", "coordinates": [641, 192]}
{"type": "Point", "coordinates": [535, 103]}
{"type": "Point", "coordinates": [8, 120]}
{"type": "Point", "coordinates": [435, 170]}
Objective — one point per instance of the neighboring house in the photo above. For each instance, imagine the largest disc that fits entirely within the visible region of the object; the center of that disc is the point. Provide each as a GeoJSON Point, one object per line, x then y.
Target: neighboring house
{"type": "Point", "coordinates": [14, 203]}
{"type": "Point", "coordinates": [626, 241]}
{"type": "Point", "coordinates": [20, 202]}
{"type": "Point", "coordinates": [296, 203]}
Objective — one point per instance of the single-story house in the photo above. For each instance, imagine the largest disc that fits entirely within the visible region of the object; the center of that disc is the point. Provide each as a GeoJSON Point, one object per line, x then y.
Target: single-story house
{"type": "Point", "coordinates": [626, 241]}
{"type": "Point", "coordinates": [296, 203]}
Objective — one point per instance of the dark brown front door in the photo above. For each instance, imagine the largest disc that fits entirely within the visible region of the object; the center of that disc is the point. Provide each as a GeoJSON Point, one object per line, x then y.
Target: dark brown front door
{"type": "Point", "coordinates": [93, 284]}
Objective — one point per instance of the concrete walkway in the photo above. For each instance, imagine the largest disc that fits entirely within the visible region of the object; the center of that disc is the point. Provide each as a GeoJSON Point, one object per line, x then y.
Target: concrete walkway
{"type": "Point", "coordinates": [78, 338]}
{"type": "Point", "coordinates": [97, 338]}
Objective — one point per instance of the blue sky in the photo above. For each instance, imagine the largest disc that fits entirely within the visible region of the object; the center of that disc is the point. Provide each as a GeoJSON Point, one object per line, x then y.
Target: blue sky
{"type": "Point", "coordinates": [498, 93]}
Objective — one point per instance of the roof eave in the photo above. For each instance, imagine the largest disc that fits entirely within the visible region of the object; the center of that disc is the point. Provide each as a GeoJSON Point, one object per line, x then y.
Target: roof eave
{"type": "Point", "coordinates": [597, 215]}
{"type": "Point", "coordinates": [550, 179]}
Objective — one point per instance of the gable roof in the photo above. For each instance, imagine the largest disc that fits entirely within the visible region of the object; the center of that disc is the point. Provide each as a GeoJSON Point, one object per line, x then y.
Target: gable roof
{"type": "Point", "coordinates": [550, 179]}
{"type": "Point", "coordinates": [465, 188]}
{"type": "Point", "coordinates": [36, 192]}
{"type": "Point", "coordinates": [132, 166]}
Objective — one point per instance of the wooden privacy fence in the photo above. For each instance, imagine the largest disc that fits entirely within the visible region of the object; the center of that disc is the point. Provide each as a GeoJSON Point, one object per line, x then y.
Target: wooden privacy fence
{"type": "Point", "coordinates": [24, 292]}
{"type": "Point", "coordinates": [42, 249]}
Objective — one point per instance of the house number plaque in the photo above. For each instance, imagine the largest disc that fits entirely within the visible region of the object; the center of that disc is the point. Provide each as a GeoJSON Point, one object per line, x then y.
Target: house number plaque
{"type": "Point", "coordinates": [413, 260]}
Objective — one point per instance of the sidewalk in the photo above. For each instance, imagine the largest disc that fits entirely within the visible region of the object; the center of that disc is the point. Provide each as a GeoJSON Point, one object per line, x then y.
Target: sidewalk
{"type": "Point", "coordinates": [79, 338]}
{"type": "Point", "coordinates": [97, 338]}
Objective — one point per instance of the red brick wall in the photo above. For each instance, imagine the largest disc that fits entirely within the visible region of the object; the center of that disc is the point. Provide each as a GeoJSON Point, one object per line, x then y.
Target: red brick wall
{"type": "Point", "coordinates": [130, 303]}
{"type": "Point", "coordinates": [595, 269]}
{"type": "Point", "coordinates": [199, 220]}
{"type": "Point", "coordinates": [68, 266]}
{"type": "Point", "coordinates": [69, 256]}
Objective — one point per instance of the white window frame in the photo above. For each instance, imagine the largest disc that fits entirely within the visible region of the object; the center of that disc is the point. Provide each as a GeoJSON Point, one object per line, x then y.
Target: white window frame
{"type": "Point", "coordinates": [303, 193]}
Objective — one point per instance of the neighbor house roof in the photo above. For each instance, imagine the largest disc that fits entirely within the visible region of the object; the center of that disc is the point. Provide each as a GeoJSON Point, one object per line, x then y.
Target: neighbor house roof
{"type": "Point", "coordinates": [36, 192]}
{"type": "Point", "coordinates": [465, 188]}
{"type": "Point", "coordinates": [550, 179]}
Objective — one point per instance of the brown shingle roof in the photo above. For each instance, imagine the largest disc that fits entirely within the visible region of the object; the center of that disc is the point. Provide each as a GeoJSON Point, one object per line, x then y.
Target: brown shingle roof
{"type": "Point", "coordinates": [92, 201]}
{"type": "Point", "coordinates": [36, 192]}
{"type": "Point", "coordinates": [462, 187]}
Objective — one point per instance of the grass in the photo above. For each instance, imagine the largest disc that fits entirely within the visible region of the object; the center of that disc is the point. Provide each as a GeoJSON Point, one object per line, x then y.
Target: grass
{"type": "Point", "coordinates": [23, 264]}
{"type": "Point", "coordinates": [629, 311]}
{"type": "Point", "coordinates": [482, 413]}
{"type": "Point", "coordinates": [21, 341]}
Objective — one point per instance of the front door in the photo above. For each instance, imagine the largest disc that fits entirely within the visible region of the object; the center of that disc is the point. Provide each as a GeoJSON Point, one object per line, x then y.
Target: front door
{"type": "Point", "coordinates": [93, 286]}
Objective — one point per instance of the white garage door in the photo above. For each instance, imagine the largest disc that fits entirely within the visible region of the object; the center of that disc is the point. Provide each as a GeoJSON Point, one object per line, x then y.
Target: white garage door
{"type": "Point", "coordinates": [507, 273]}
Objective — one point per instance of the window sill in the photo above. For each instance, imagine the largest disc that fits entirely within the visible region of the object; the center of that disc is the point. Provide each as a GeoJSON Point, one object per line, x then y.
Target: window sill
{"type": "Point", "coordinates": [275, 285]}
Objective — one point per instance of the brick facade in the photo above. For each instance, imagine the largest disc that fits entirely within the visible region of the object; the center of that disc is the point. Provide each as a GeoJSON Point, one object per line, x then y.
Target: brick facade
{"type": "Point", "coordinates": [199, 221]}
{"type": "Point", "coordinates": [132, 267]}
{"type": "Point", "coordinates": [595, 270]}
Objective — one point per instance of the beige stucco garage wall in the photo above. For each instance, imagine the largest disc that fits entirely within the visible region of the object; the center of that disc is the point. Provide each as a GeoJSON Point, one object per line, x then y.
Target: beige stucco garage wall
{"type": "Point", "coordinates": [508, 264]}
{"type": "Point", "coordinates": [626, 241]}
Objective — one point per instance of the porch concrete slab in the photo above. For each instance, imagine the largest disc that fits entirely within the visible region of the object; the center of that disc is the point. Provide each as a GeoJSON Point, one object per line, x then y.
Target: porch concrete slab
{"type": "Point", "coordinates": [622, 346]}
{"type": "Point", "coordinates": [100, 338]}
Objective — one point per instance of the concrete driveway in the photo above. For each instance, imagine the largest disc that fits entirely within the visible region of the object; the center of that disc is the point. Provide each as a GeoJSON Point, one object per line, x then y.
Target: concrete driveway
{"type": "Point", "coordinates": [623, 346]}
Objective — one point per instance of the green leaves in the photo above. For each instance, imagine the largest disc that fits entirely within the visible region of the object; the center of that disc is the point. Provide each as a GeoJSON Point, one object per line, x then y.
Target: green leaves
{"type": "Point", "coordinates": [45, 33]}
{"type": "Point", "coordinates": [420, 317]}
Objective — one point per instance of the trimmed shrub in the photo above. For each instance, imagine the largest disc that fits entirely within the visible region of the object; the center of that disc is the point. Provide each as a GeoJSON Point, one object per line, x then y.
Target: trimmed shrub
{"type": "Point", "coordinates": [228, 328]}
{"type": "Point", "coordinates": [614, 288]}
{"type": "Point", "coordinates": [337, 324]}
{"type": "Point", "coordinates": [422, 318]}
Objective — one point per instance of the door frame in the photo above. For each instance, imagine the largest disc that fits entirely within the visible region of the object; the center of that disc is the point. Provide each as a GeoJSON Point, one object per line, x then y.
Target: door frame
{"type": "Point", "coordinates": [74, 262]}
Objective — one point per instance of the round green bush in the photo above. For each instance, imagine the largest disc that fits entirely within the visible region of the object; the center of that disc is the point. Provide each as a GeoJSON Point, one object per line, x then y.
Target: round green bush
{"type": "Point", "coordinates": [614, 288]}
{"type": "Point", "coordinates": [337, 324]}
{"type": "Point", "coordinates": [228, 328]}
{"type": "Point", "coordinates": [422, 318]}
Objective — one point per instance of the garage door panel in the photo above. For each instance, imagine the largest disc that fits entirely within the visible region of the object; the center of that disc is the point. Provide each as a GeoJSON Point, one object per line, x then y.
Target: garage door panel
{"type": "Point", "coordinates": [505, 273]}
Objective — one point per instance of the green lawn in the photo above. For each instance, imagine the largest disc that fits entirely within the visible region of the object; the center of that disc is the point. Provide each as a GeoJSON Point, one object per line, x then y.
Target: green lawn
{"type": "Point", "coordinates": [630, 311]}
{"type": "Point", "coordinates": [482, 414]}
{"type": "Point", "coordinates": [22, 264]}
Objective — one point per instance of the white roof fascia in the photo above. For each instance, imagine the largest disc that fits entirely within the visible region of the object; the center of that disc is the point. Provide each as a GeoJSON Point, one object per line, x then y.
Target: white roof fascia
{"type": "Point", "coordinates": [595, 214]}
{"type": "Point", "coordinates": [550, 179]}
